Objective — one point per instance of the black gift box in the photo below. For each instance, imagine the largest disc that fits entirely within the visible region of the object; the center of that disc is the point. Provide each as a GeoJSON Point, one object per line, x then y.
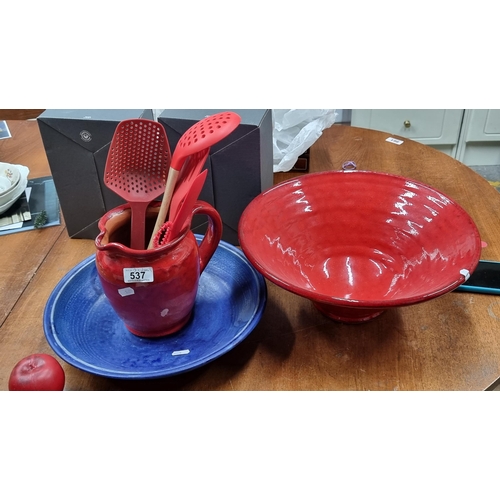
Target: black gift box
{"type": "Point", "coordinates": [77, 142]}
{"type": "Point", "coordinates": [239, 167]}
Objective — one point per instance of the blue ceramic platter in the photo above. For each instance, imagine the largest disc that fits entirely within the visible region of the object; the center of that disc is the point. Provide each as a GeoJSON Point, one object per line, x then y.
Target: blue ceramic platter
{"type": "Point", "coordinates": [83, 329]}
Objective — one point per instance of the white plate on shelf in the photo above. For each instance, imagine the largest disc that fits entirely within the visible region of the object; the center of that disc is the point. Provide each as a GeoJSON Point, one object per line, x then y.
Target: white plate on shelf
{"type": "Point", "coordinates": [5, 185]}
{"type": "Point", "coordinates": [11, 172]}
{"type": "Point", "coordinates": [18, 190]}
{"type": "Point", "coordinates": [10, 175]}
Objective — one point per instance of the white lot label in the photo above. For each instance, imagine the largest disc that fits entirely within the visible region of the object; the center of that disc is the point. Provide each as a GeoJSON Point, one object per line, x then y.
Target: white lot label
{"type": "Point", "coordinates": [181, 353]}
{"type": "Point", "coordinates": [138, 275]}
{"type": "Point", "coordinates": [395, 141]}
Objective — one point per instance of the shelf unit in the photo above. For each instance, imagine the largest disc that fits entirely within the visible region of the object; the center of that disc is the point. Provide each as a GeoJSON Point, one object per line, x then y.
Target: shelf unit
{"type": "Point", "coordinates": [472, 136]}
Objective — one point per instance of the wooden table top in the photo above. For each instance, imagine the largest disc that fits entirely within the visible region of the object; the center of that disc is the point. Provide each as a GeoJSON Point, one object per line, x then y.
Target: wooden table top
{"type": "Point", "coordinates": [449, 343]}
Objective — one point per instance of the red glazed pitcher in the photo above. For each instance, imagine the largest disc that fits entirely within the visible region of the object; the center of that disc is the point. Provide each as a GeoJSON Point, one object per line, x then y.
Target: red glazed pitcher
{"type": "Point", "coordinates": [153, 291]}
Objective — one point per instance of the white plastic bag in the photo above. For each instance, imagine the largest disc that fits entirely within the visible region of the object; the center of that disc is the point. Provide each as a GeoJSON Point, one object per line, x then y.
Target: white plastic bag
{"type": "Point", "coordinates": [294, 131]}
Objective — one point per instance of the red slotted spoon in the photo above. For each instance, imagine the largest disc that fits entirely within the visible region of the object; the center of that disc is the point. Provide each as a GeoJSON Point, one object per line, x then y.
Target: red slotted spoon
{"type": "Point", "coordinates": [171, 229]}
{"type": "Point", "coordinates": [189, 173]}
{"type": "Point", "coordinates": [136, 169]}
{"type": "Point", "coordinates": [199, 136]}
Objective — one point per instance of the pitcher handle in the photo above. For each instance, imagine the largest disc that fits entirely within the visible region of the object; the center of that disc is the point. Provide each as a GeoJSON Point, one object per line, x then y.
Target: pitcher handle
{"type": "Point", "coordinates": [213, 234]}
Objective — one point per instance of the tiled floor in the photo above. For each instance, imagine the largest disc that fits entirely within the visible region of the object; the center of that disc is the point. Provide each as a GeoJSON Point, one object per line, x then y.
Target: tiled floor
{"type": "Point", "coordinates": [491, 173]}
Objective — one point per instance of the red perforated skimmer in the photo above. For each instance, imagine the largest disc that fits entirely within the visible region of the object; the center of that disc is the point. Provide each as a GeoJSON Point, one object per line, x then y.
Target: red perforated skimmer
{"type": "Point", "coordinates": [198, 137]}
{"type": "Point", "coordinates": [136, 169]}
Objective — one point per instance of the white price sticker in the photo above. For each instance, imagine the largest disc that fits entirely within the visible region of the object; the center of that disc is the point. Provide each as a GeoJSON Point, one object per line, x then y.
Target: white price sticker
{"type": "Point", "coordinates": [181, 353]}
{"type": "Point", "coordinates": [394, 141]}
{"type": "Point", "coordinates": [138, 275]}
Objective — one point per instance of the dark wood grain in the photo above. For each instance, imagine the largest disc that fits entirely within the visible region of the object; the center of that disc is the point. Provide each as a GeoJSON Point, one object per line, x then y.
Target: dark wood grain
{"type": "Point", "coordinates": [449, 343]}
{"type": "Point", "coordinates": [20, 114]}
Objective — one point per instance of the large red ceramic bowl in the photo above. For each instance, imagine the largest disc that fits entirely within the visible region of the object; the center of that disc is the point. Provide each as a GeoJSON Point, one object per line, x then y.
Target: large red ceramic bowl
{"type": "Point", "coordinates": [359, 242]}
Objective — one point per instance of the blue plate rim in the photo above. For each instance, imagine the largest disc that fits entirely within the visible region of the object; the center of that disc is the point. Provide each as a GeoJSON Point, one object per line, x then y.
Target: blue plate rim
{"type": "Point", "coordinates": [66, 355]}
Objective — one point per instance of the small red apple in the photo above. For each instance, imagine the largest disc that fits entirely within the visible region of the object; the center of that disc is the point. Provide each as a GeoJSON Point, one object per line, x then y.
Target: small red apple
{"type": "Point", "coordinates": [37, 372]}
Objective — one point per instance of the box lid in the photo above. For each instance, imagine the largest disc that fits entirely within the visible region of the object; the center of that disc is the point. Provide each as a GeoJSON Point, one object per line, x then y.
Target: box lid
{"type": "Point", "coordinates": [177, 121]}
{"type": "Point", "coordinates": [248, 116]}
{"type": "Point", "coordinates": [91, 129]}
{"type": "Point", "coordinates": [92, 114]}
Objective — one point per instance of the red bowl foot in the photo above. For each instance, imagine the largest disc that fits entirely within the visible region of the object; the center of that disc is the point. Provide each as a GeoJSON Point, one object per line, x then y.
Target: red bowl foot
{"type": "Point", "coordinates": [348, 314]}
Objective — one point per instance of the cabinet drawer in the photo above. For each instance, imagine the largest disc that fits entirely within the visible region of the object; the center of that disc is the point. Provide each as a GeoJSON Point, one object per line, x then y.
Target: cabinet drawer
{"type": "Point", "coordinates": [428, 126]}
{"type": "Point", "coordinates": [484, 125]}
{"type": "Point", "coordinates": [480, 140]}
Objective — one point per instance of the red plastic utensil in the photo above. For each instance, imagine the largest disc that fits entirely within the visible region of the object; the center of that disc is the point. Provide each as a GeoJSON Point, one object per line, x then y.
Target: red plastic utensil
{"type": "Point", "coordinates": [198, 137]}
{"type": "Point", "coordinates": [192, 169]}
{"type": "Point", "coordinates": [136, 169]}
{"type": "Point", "coordinates": [171, 229]}
{"type": "Point", "coordinates": [186, 206]}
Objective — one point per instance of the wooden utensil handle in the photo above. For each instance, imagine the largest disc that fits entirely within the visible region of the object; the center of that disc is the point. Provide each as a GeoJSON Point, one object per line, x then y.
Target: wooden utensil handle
{"type": "Point", "coordinates": [165, 203]}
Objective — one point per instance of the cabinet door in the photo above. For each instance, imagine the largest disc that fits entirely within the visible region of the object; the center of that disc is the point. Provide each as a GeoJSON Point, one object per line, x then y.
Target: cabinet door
{"type": "Point", "coordinates": [439, 128]}
{"type": "Point", "coordinates": [480, 138]}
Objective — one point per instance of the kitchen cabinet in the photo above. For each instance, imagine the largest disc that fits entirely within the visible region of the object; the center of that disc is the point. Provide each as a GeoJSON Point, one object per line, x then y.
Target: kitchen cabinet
{"type": "Point", "coordinates": [480, 138]}
{"type": "Point", "coordinates": [472, 136]}
{"type": "Point", "coordinates": [439, 128]}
